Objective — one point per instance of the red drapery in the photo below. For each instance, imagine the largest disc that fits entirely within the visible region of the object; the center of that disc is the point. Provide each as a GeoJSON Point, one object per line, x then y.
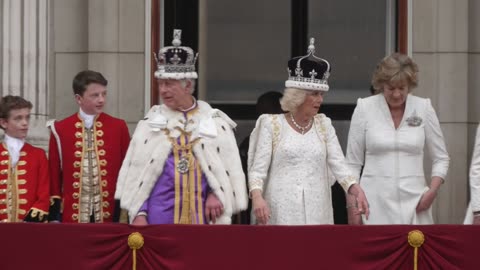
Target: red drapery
{"type": "Point", "coordinates": [90, 246]}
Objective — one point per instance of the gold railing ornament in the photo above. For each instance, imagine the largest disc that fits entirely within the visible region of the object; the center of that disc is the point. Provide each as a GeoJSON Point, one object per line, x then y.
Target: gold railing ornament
{"type": "Point", "coordinates": [415, 239]}
{"type": "Point", "coordinates": [135, 241]}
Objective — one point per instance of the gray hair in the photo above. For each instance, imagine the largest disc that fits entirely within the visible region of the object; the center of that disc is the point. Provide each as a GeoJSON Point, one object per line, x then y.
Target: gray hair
{"type": "Point", "coordinates": [192, 83]}
{"type": "Point", "coordinates": [292, 98]}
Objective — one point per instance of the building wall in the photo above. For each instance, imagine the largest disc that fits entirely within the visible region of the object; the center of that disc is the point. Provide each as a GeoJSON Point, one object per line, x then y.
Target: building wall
{"type": "Point", "coordinates": [107, 36]}
{"type": "Point", "coordinates": [24, 53]}
{"type": "Point", "coordinates": [473, 72]}
{"type": "Point", "coordinates": [446, 45]}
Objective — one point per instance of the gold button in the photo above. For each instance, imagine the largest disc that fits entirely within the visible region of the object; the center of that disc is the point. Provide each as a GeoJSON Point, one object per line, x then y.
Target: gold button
{"type": "Point", "coordinates": [106, 215]}
{"type": "Point", "coordinates": [76, 175]}
{"type": "Point", "coordinates": [103, 162]}
{"type": "Point", "coordinates": [4, 153]}
{"type": "Point", "coordinates": [76, 184]}
{"type": "Point", "coordinates": [75, 206]}
{"type": "Point", "coordinates": [3, 211]}
{"type": "Point", "coordinates": [100, 142]}
{"type": "Point", "coordinates": [101, 152]}
{"type": "Point", "coordinates": [3, 182]}
{"type": "Point", "coordinates": [78, 154]}
{"type": "Point", "coordinates": [77, 164]}
{"type": "Point", "coordinates": [78, 124]}
{"type": "Point", "coordinates": [75, 217]}
{"type": "Point", "coordinates": [4, 162]}
{"type": "Point", "coordinates": [104, 183]}
{"type": "Point", "coordinates": [103, 172]}
{"type": "Point", "coordinates": [75, 195]}
{"type": "Point", "coordinates": [3, 191]}
{"type": "Point", "coordinates": [99, 133]}
{"type": "Point", "coordinates": [105, 194]}
{"type": "Point", "coordinates": [78, 144]}
{"type": "Point", "coordinates": [99, 124]}
{"type": "Point", "coordinates": [78, 134]}
{"type": "Point", "coordinates": [4, 171]}
{"type": "Point", "coordinates": [105, 204]}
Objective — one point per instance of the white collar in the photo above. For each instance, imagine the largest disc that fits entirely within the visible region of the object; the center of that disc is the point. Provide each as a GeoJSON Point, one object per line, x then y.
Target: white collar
{"type": "Point", "coordinates": [87, 118]}
{"type": "Point", "coordinates": [192, 107]}
{"type": "Point", "coordinates": [14, 145]}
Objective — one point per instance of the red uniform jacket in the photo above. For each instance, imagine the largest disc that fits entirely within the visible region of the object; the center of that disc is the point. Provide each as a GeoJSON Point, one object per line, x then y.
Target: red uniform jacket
{"type": "Point", "coordinates": [111, 139]}
{"type": "Point", "coordinates": [31, 184]}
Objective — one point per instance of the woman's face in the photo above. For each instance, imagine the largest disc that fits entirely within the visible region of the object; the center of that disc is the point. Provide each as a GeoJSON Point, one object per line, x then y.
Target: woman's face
{"type": "Point", "coordinates": [395, 95]}
{"type": "Point", "coordinates": [312, 103]}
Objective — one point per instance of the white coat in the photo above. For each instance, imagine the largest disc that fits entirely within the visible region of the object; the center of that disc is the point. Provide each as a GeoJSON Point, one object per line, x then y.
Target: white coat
{"type": "Point", "coordinates": [217, 153]}
{"type": "Point", "coordinates": [392, 159]}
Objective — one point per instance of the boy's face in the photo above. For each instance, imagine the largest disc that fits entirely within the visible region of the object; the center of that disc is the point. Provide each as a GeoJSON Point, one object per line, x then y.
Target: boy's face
{"type": "Point", "coordinates": [93, 99]}
{"type": "Point", "coordinates": [16, 125]}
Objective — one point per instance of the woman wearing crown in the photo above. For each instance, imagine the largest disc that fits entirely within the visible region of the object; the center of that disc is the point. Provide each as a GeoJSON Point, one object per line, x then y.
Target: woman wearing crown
{"type": "Point", "coordinates": [291, 154]}
{"type": "Point", "coordinates": [387, 137]}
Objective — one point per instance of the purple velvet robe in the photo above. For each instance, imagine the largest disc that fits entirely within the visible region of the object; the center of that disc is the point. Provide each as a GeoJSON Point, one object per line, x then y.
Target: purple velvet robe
{"type": "Point", "coordinates": [178, 198]}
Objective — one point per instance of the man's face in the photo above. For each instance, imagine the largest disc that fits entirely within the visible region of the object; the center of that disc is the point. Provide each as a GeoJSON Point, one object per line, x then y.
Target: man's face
{"type": "Point", "coordinates": [174, 95]}
{"type": "Point", "coordinates": [16, 125]}
{"type": "Point", "coordinates": [93, 99]}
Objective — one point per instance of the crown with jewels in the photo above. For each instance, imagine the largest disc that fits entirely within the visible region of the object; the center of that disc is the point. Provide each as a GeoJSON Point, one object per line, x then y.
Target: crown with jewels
{"type": "Point", "coordinates": [176, 62]}
{"type": "Point", "coordinates": [308, 72]}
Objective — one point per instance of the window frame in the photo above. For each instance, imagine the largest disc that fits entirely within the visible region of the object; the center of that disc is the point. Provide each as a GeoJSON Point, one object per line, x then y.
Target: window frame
{"type": "Point", "coordinates": [184, 14]}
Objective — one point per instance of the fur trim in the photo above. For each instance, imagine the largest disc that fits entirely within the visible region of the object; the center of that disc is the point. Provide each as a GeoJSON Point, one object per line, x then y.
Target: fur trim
{"type": "Point", "coordinates": [218, 158]}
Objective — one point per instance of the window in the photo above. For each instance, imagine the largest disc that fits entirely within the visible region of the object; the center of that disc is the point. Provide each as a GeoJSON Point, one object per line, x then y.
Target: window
{"type": "Point", "coordinates": [352, 36]}
{"type": "Point", "coordinates": [244, 46]}
{"type": "Point", "coordinates": [247, 46]}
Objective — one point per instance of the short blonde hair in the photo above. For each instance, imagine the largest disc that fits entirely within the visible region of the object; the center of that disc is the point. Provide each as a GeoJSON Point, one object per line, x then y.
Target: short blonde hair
{"type": "Point", "coordinates": [292, 98]}
{"type": "Point", "coordinates": [395, 69]}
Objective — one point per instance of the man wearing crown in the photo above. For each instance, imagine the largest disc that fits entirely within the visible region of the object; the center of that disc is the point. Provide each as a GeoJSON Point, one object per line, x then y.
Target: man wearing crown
{"type": "Point", "coordinates": [86, 151]}
{"type": "Point", "coordinates": [182, 165]}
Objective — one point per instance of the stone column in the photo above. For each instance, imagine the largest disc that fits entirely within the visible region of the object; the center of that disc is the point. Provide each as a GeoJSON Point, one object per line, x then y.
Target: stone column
{"type": "Point", "coordinates": [440, 47]}
{"type": "Point", "coordinates": [24, 59]}
{"type": "Point", "coordinates": [473, 73]}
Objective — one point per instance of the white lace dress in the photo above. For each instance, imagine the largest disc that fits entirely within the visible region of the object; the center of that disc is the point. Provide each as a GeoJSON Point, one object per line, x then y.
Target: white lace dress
{"type": "Point", "coordinates": [291, 168]}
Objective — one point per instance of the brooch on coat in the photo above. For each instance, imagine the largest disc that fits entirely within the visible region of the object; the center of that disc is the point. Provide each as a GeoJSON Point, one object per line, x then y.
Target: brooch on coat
{"type": "Point", "coordinates": [414, 120]}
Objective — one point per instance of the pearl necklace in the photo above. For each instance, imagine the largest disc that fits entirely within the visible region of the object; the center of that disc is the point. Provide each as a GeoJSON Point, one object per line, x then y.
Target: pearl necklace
{"type": "Point", "coordinates": [302, 129]}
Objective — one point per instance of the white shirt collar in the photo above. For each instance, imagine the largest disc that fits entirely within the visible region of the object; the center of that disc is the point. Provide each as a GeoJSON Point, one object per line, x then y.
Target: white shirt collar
{"type": "Point", "coordinates": [14, 146]}
{"type": "Point", "coordinates": [192, 107]}
{"type": "Point", "coordinates": [87, 118]}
